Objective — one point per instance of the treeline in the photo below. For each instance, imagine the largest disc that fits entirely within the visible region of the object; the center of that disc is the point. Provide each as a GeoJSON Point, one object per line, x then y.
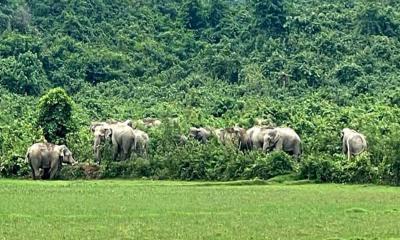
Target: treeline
{"type": "Point", "coordinates": [314, 66]}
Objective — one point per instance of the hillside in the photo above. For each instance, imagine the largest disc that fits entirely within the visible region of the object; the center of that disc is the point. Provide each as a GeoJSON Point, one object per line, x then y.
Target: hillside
{"type": "Point", "coordinates": [316, 66]}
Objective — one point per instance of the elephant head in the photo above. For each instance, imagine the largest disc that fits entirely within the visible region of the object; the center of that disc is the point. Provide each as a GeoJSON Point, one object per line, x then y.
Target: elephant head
{"type": "Point", "coordinates": [270, 139]}
{"type": "Point", "coordinates": [200, 134]}
{"type": "Point", "coordinates": [129, 123]}
{"type": "Point", "coordinates": [237, 135]}
{"type": "Point", "coordinates": [66, 155]}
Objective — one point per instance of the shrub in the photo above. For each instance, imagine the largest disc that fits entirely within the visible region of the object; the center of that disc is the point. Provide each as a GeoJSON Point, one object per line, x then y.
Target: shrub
{"type": "Point", "coordinates": [347, 73]}
{"type": "Point", "coordinates": [359, 170]}
{"type": "Point", "coordinates": [321, 168]}
{"type": "Point", "coordinates": [271, 165]}
{"type": "Point", "coordinates": [376, 21]}
{"type": "Point", "coordinates": [55, 115]}
{"type": "Point", "coordinates": [24, 74]}
{"type": "Point", "coordinates": [14, 167]}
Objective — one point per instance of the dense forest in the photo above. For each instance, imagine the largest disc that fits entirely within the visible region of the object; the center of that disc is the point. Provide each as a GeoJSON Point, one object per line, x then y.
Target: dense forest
{"type": "Point", "coordinates": [314, 66]}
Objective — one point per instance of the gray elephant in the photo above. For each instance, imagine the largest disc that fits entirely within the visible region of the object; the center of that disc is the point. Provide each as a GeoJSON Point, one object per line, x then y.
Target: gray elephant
{"type": "Point", "coordinates": [48, 158]}
{"type": "Point", "coordinates": [353, 143]}
{"type": "Point", "coordinates": [121, 135]}
{"type": "Point", "coordinates": [230, 135]}
{"type": "Point", "coordinates": [282, 139]}
{"type": "Point", "coordinates": [141, 142]}
{"type": "Point", "coordinates": [148, 122]}
{"type": "Point", "coordinates": [254, 137]}
{"type": "Point", "coordinates": [200, 134]}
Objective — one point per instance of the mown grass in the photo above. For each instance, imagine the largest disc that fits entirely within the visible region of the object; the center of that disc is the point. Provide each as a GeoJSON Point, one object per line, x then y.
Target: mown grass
{"type": "Point", "coordinates": [121, 209]}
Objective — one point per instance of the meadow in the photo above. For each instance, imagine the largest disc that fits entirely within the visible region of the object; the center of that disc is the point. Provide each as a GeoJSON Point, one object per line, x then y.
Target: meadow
{"type": "Point", "coordinates": [122, 209]}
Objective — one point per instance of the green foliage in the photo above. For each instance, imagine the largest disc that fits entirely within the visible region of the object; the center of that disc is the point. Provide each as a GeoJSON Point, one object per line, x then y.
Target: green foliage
{"type": "Point", "coordinates": [55, 115]}
{"type": "Point", "coordinates": [24, 74]}
{"type": "Point", "coordinates": [194, 18]}
{"type": "Point", "coordinates": [270, 16]}
{"type": "Point", "coordinates": [376, 21]}
{"type": "Point", "coordinates": [320, 168]}
{"type": "Point", "coordinates": [347, 73]}
{"type": "Point", "coordinates": [14, 167]}
{"type": "Point", "coordinates": [315, 67]}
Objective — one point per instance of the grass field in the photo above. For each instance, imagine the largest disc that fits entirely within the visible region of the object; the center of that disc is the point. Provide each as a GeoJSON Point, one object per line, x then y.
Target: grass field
{"type": "Point", "coordinates": [122, 209]}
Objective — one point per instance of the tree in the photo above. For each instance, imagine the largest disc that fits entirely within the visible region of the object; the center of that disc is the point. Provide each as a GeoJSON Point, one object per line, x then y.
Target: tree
{"type": "Point", "coordinates": [55, 115]}
{"type": "Point", "coordinates": [270, 16]}
{"type": "Point", "coordinates": [24, 74]}
{"type": "Point", "coordinates": [193, 15]}
{"type": "Point", "coordinates": [217, 12]}
{"type": "Point", "coordinates": [374, 21]}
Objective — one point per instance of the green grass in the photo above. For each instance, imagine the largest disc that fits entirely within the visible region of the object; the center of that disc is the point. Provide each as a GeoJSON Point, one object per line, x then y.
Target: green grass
{"type": "Point", "coordinates": [122, 209]}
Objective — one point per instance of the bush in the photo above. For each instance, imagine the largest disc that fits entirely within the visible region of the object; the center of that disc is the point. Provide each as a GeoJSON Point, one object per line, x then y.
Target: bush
{"type": "Point", "coordinates": [55, 115]}
{"type": "Point", "coordinates": [321, 168]}
{"type": "Point", "coordinates": [377, 21]}
{"type": "Point", "coordinates": [347, 73]}
{"type": "Point", "coordinates": [359, 170]}
{"type": "Point", "coordinates": [271, 165]}
{"type": "Point", "coordinates": [24, 74]}
{"type": "Point", "coordinates": [14, 167]}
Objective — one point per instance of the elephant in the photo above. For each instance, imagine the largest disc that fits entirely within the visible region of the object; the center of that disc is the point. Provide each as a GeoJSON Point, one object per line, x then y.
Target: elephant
{"type": "Point", "coordinates": [254, 137]}
{"type": "Point", "coordinates": [48, 157]}
{"type": "Point", "coordinates": [353, 143]}
{"type": "Point", "coordinates": [200, 134]}
{"type": "Point", "coordinates": [230, 135]}
{"type": "Point", "coordinates": [181, 139]}
{"type": "Point", "coordinates": [282, 139]}
{"type": "Point", "coordinates": [148, 122]}
{"type": "Point", "coordinates": [261, 122]}
{"type": "Point", "coordinates": [121, 135]}
{"type": "Point", "coordinates": [141, 141]}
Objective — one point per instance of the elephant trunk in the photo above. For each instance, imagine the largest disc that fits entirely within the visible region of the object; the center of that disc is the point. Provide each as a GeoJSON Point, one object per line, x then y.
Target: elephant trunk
{"type": "Point", "coordinates": [96, 149]}
{"type": "Point", "coordinates": [73, 161]}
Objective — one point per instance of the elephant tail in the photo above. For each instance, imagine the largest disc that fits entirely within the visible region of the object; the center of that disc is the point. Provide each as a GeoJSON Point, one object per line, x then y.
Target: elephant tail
{"type": "Point", "coordinates": [135, 143]}
{"type": "Point", "coordinates": [348, 149]}
{"type": "Point", "coordinates": [27, 156]}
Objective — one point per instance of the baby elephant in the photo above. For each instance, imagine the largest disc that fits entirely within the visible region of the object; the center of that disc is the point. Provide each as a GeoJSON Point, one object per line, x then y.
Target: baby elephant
{"type": "Point", "coordinates": [48, 157]}
{"type": "Point", "coordinates": [353, 143]}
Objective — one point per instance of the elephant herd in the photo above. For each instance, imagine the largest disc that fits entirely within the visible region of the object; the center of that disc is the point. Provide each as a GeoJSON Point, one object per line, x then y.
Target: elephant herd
{"type": "Point", "coordinates": [258, 137]}
{"type": "Point", "coordinates": [45, 159]}
{"type": "Point", "coordinates": [124, 138]}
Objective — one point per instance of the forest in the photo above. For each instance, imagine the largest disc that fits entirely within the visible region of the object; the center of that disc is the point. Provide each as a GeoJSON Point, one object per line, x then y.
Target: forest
{"type": "Point", "coordinates": [314, 66]}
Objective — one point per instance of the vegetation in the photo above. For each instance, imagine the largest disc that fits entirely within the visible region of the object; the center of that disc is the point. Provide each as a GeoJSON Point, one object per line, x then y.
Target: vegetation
{"type": "Point", "coordinates": [314, 66]}
{"type": "Point", "coordinates": [55, 115]}
{"type": "Point", "coordinates": [177, 210]}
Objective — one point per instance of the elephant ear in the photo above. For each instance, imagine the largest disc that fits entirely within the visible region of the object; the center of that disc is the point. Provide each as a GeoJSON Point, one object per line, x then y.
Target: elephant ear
{"type": "Point", "coordinates": [108, 132]}
{"type": "Point", "coordinates": [275, 136]}
{"type": "Point", "coordinates": [341, 135]}
{"type": "Point", "coordinates": [129, 123]}
{"type": "Point", "coordinates": [61, 151]}
{"type": "Point", "coordinates": [92, 128]}
{"type": "Point", "coordinates": [94, 125]}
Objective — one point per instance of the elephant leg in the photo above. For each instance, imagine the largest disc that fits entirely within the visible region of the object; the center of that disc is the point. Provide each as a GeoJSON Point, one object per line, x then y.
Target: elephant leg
{"type": "Point", "coordinates": [54, 170]}
{"type": "Point", "coordinates": [46, 173]}
{"type": "Point", "coordinates": [145, 151]}
{"type": "Point", "coordinates": [125, 154]}
{"type": "Point", "coordinates": [344, 147]}
{"type": "Point", "coordinates": [35, 173]}
{"type": "Point", "coordinates": [297, 151]}
{"type": "Point", "coordinates": [115, 151]}
{"type": "Point", "coordinates": [278, 145]}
